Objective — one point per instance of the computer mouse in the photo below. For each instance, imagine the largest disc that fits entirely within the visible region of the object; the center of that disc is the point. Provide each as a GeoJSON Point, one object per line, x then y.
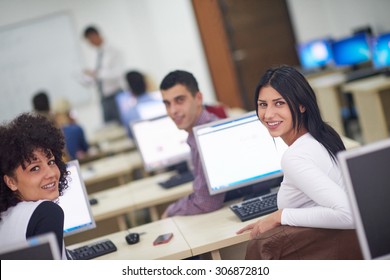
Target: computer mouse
{"type": "Point", "coordinates": [93, 201]}
{"type": "Point", "coordinates": [132, 238]}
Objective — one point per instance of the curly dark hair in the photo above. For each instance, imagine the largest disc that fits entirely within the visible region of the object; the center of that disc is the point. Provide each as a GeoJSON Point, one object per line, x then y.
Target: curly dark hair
{"type": "Point", "coordinates": [18, 140]}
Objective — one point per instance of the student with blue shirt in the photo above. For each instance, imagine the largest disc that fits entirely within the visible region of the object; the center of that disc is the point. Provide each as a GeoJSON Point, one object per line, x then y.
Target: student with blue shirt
{"type": "Point", "coordinates": [142, 105]}
{"type": "Point", "coordinates": [75, 140]}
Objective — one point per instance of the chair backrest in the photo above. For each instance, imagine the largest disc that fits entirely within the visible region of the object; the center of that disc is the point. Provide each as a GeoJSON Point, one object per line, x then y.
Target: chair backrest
{"type": "Point", "coordinates": [218, 110]}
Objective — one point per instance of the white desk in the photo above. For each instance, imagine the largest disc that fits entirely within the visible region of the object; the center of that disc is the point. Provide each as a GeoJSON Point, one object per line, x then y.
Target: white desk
{"type": "Point", "coordinates": [212, 232]}
{"type": "Point", "coordinates": [106, 149]}
{"type": "Point", "coordinates": [193, 235]}
{"type": "Point", "coordinates": [147, 193]}
{"type": "Point", "coordinates": [108, 133]}
{"type": "Point", "coordinates": [177, 248]}
{"type": "Point", "coordinates": [349, 143]}
{"type": "Point", "coordinates": [139, 194]}
{"type": "Point", "coordinates": [117, 146]}
{"type": "Point", "coordinates": [117, 167]}
{"type": "Point", "coordinates": [372, 98]}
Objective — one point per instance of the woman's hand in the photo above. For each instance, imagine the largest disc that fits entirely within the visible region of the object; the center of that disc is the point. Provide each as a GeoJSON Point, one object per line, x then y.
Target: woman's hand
{"type": "Point", "coordinates": [262, 225]}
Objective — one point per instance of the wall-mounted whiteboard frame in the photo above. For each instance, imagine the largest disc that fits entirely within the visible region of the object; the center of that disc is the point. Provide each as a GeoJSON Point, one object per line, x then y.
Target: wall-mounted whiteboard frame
{"type": "Point", "coordinates": [40, 54]}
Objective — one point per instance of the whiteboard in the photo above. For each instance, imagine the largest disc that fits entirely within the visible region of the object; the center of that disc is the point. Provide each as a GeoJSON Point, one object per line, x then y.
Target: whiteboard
{"type": "Point", "coordinates": [41, 54]}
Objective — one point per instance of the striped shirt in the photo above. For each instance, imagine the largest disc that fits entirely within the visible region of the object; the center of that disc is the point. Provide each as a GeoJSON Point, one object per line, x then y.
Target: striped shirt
{"type": "Point", "coordinates": [199, 201]}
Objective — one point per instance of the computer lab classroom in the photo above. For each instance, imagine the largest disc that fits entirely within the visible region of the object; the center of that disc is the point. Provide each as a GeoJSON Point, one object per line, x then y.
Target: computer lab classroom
{"type": "Point", "coordinates": [342, 47]}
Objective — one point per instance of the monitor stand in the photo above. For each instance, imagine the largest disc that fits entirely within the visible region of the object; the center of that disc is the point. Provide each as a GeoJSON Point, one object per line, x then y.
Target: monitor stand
{"type": "Point", "coordinates": [254, 190]}
{"type": "Point", "coordinates": [263, 188]}
{"type": "Point", "coordinates": [184, 175]}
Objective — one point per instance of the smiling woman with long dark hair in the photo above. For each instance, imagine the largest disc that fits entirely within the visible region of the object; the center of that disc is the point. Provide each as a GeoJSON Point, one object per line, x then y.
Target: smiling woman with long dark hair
{"type": "Point", "coordinates": [312, 193]}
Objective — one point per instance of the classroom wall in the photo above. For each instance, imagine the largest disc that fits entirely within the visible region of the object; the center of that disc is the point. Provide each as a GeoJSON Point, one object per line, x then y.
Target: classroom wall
{"type": "Point", "coordinates": [314, 19]}
{"type": "Point", "coordinates": [155, 36]}
{"type": "Point", "coordinates": [159, 36]}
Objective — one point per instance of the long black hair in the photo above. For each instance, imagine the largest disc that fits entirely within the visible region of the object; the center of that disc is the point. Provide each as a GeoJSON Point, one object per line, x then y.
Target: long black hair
{"type": "Point", "coordinates": [295, 89]}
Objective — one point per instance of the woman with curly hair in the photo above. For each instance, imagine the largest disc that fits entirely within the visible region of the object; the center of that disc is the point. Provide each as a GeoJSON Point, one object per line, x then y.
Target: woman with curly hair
{"type": "Point", "coordinates": [32, 177]}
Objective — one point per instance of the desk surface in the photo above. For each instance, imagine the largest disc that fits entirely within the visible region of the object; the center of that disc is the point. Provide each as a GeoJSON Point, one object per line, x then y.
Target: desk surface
{"type": "Point", "coordinates": [147, 192]}
{"type": "Point", "coordinates": [212, 231]}
{"type": "Point", "coordinates": [177, 248]}
{"type": "Point", "coordinates": [193, 235]}
{"type": "Point", "coordinates": [350, 143]}
{"type": "Point", "coordinates": [117, 146]}
{"type": "Point", "coordinates": [108, 133]}
{"type": "Point", "coordinates": [327, 80]}
{"type": "Point", "coordinates": [110, 167]}
{"type": "Point", "coordinates": [135, 195]}
{"type": "Point", "coordinates": [106, 149]}
{"type": "Point", "coordinates": [375, 83]}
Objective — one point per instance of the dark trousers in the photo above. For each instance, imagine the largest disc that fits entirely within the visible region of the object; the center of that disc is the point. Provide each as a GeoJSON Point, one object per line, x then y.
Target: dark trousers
{"type": "Point", "coordinates": [301, 243]}
{"type": "Point", "coordinates": [110, 108]}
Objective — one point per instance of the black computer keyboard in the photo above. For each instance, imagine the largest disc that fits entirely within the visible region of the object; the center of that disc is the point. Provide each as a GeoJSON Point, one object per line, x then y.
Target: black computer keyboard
{"type": "Point", "coordinates": [177, 180]}
{"type": "Point", "coordinates": [362, 74]}
{"type": "Point", "coordinates": [94, 250]}
{"type": "Point", "coordinates": [255, 207]}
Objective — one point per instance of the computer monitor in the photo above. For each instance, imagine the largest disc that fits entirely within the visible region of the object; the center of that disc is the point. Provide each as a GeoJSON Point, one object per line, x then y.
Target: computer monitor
{"type": "Point", "coordinates": [75, 203]}
{"type": "Point", "coordinates": [160, 143]}
{"type": "Point", "coordinates": [367, 178]}
{"type": "Point", "coordinates": [315, 54]}
{"type": "Point", "coordinates": [145, 110]}
{"type": "Point", "coordinates": [40, 247]}
{"type": "Point", "coordinates": [351, 51]}
{"type": "Point", "coordinates": [239, 152]}
{"type": "Point", "coordinates": [381, 51]}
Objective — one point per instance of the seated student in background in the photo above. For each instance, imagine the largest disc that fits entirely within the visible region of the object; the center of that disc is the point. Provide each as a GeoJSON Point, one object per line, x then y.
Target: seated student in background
{"type": "Point", "coordinates": [75, 142]}
{"type": "Point", "coordinates": [41, 104]}
{"type": "Point", "coordinates": [312, 193]}
{"type": "Point", "coordinates": [138, 103]}
{"type": "Point", "coordinates": [32, 177]}
{"type": "Point", "coordinates": [183, 102]}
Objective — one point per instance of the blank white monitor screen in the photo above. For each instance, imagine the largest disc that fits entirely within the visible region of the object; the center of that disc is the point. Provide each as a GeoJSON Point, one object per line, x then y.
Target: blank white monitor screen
{"type": "Point", "coordinates": [75, 203]}
{"type": "Point", "coordinates": [367, 177]}
{"type": "Point", "coordinates": [160, 143]}
{"type": "Point", "coordinates": [238, 152]}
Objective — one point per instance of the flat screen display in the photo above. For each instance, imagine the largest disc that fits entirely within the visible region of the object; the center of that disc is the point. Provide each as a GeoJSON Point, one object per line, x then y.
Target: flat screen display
{"type": "Point", "coordinates": [40, 247]}
{"type": "Point", "coordinates": [160, 143]}
{"type": "Point", "coordinates": [352, 50]}
{"type": "Point", "coordinates": [238, 152]}
{"type": "Point", "coordinates": [367, 177]}
{"type": "Point", "coordinates": [315, 54]}
{"type": "Point", "coordinates": [75, 203]}
{"type": "Point", "coordinates": [381, 51]}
